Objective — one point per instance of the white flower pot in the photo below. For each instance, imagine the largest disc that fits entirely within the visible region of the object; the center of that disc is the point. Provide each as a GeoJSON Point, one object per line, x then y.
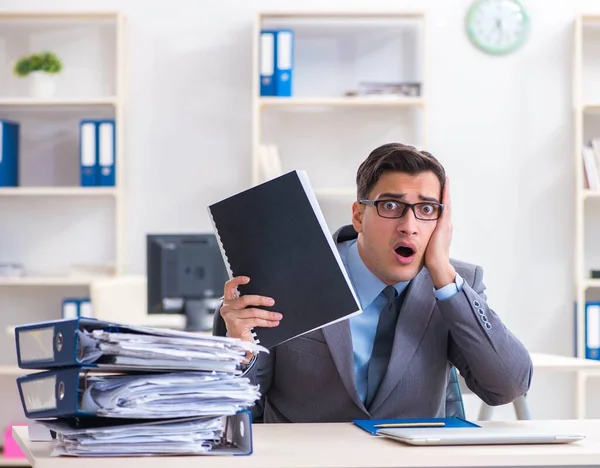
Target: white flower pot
{"type": "Point", "coordinates": [43, 85]}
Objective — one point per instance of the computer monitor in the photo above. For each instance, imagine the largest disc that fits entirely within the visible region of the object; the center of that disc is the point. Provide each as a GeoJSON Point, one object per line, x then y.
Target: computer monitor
{"type": "Point", "coordinates": [186, 274]}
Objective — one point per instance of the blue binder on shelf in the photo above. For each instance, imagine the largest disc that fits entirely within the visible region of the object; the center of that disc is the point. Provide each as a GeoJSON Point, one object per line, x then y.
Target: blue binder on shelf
{"type": "Point", "coordinates": [107, 150]}
{"type": "Point", "coordinates": [591, 330]}
{"type": "Point", "coordinates": [74, 307]}
{"type": "Point", "coordinates": [370, 425]}
{"type": "Point", "coordinates": [88, 152]}
{"type": "Point", "coordinates": [284, 53]}
{"type": "Point", "coordinates": [267, 54]}
{"type": "Point", "coordinates": [9, 153]}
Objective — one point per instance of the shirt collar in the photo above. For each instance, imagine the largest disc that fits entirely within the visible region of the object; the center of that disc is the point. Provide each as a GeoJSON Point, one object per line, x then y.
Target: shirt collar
{"type": "Point", "coordinates": [366, 284]}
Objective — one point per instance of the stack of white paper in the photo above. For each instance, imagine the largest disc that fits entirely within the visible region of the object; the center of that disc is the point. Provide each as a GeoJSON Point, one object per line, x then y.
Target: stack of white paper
{"type": "Point", "coordinates": [170, 395]}
{"type": "Point", "coordinates": [185, 436]}
{"type": "Point", "coordinates": [166, 349]}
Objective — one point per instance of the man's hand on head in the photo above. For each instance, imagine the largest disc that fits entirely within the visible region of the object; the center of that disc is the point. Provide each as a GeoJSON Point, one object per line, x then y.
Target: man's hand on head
{"type": "Point", "coordinates": [437, 254]}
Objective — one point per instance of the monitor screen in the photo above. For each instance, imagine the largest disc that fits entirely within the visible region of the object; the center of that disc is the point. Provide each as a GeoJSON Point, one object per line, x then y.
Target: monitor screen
{"type": "Point", "coordinates": [186, 273]}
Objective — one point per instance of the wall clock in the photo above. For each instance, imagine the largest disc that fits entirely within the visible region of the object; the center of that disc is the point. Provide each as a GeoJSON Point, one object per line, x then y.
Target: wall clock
{"type": "Point", "coordinates": [497, 27]}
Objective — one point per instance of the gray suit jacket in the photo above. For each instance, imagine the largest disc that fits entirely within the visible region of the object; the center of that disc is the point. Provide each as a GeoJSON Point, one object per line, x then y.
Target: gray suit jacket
{"type": "Point", "coordinates": [311, 378]}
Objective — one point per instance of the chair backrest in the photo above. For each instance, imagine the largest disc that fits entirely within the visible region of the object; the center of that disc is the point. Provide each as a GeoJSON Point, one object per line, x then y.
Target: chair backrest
{"type": "Point", "coordinates": [454, 402]}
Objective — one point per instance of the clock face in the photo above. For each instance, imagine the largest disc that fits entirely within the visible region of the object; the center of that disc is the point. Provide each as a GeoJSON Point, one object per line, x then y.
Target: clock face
{"type": "Point", "coordinates": [497, 26]}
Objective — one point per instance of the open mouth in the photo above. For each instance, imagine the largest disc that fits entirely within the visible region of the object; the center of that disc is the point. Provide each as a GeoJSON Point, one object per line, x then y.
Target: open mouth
{"type": "Point", "coordinates": [405, 252]}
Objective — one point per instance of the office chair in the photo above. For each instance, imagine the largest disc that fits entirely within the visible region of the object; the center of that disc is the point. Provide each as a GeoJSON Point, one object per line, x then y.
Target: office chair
{"type": "Point", "coordinates": [454, 402]}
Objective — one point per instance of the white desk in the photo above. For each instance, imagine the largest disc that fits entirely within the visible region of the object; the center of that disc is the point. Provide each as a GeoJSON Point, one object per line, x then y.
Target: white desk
{"type": "Point", "coordinates": [584, 368]}
{"type": "Point", "coordinates": [345, 445]}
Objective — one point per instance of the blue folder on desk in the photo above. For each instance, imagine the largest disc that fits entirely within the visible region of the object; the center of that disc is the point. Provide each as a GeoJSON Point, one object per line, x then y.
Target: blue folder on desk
{"type": "Point", "coordinates": [369, 425]}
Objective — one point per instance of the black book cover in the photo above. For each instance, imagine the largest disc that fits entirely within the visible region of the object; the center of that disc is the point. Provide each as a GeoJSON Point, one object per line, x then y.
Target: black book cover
{"type": "Point", "coordinates": [275, 234]}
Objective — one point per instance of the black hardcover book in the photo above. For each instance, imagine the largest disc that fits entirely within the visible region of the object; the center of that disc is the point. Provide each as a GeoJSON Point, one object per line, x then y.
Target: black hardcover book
{"type": "Point", "coordinates": [276, 234]}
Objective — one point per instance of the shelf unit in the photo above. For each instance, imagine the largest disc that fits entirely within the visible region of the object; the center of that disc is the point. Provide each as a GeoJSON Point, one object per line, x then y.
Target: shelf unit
{"type": "Point", "coordinates": [363, 46]}
{"type": "Point", "coordinates": [582, 105]}
{"type": "Point", "coordinates": [91, 85]}
{"type": "Point", "coordinates": [82, 104]}
{"type": "Point", "coordinates": [586, 108]}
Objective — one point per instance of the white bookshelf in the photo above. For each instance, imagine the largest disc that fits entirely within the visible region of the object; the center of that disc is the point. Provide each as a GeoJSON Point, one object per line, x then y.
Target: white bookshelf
{"type": "Point", "coordinates": [586, 115]}
{"type": "Point", "coordinates": [49, 216]}
{"type": "Point", "coordinates": [106, 99]}
{"type": "Point", "coordinates": [337, 126]}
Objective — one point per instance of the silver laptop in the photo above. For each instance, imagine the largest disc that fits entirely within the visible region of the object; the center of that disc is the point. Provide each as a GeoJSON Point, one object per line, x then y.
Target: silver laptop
{"type": "Point", "coordinates": [479, 436]}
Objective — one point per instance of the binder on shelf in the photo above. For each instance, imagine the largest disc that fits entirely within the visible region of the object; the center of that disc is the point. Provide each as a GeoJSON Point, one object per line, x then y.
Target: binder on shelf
{"type": "Point", "coordinates": [591, 330]}
{"type": "Point", "coordinates": [267, 63]}
{"type": "Point", "coordinates": [76, 307]}
{"type": "Point", "coordinates": [106, 153]}
{"type": "Point", "coordinates": [88, 152]}
{"type": "Point", "coordinates": [284, 52]}
{"type": "Point", "coordinates": [9, 153]}
{"type": "Point", "coordinates": [70, 308]}
{"type": "Point", "coordinates": [276, 234]}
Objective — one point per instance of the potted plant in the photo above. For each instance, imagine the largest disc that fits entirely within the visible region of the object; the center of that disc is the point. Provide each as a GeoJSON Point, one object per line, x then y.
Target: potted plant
{"type": "Point", "coordinates": [42, 68]}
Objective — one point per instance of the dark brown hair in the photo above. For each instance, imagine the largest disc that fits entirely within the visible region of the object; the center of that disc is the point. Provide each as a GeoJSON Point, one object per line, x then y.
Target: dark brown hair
{"type": "Point", "coordinates": [395, 157]}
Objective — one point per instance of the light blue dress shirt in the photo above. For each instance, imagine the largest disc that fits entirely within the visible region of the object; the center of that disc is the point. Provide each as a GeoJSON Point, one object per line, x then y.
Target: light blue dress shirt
{"type": "Point", "coordinates": [369, 290]}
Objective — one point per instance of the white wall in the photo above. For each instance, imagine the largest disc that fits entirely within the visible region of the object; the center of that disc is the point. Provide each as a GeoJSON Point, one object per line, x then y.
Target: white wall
{"type": "Point", "coordinates": [501, 126]}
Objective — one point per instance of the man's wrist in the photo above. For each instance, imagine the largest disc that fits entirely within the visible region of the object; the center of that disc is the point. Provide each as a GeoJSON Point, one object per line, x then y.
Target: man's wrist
{"type": "Point", "coordinates": [442, 275]}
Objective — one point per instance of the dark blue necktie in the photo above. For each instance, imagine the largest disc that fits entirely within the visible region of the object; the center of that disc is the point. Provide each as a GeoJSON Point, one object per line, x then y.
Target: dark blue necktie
{"type": "Point", "coordinates": [382, 346]}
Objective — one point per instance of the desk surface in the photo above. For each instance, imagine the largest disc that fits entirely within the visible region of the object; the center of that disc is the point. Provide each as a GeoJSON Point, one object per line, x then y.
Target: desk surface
{"type": "Point", "coordinates": [345, 445]}
{"type": "Point", "coordinates": [562, 363]}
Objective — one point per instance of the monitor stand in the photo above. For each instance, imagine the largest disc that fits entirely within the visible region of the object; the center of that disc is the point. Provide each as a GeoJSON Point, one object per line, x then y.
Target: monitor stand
{"type": "Point", "coordinates": [199, 314]}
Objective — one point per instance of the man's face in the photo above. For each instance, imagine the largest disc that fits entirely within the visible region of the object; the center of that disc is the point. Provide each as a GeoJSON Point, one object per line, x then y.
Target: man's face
{"type": "Point", "coordinates": [394, 249]}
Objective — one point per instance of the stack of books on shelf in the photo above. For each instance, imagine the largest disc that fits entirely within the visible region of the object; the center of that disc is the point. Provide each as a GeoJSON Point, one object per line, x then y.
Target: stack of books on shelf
{"type": "Point", "coordinates": [118, 390]}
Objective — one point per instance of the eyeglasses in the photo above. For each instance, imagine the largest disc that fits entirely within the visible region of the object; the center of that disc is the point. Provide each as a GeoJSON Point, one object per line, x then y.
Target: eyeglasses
{"type": "Point", "coordinates": [425, 211]}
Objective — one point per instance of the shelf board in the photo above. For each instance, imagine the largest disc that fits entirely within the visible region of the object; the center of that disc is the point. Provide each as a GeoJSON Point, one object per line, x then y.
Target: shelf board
{"type": "Point", "coordinates": [587, 193]}
{"type": "Point", "coordinates": [32, 102]}
{"type": "Point", "coordinates": [58, 191]}
{"type": "Point", "coordinates": [591, 108]}
{"type": "Point", "coordinates": [340, 102]}
{"type": "Point", "coordinates": [49, 280]}
{"type": "Point", "coordinates": [591, 283]}
{"type": "Point", "coordinates": [370, 14]}
{"type": "Point", "coordinates": [7, 370]}
{"type": "Point", "coordinates": [58, 15]}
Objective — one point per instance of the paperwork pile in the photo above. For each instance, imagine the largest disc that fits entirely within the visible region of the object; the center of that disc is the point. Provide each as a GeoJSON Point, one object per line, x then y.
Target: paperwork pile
{"type": "Point", "coordinates": [117, 390]}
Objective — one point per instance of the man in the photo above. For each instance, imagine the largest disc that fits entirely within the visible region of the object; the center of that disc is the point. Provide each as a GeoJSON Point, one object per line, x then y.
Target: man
{"type": "Point", "coordinates": [422, 313]}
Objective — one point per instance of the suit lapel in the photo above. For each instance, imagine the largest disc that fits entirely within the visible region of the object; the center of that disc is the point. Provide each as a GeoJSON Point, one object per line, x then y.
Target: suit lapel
{"type": "Point", "coordinates": [339, 340]}
{"type": "Point", "coordinates": [413, 319]}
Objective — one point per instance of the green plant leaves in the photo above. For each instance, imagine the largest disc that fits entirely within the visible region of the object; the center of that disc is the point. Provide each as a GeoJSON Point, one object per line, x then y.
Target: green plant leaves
{"type": "Point", "coordinates": [45, 61]}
